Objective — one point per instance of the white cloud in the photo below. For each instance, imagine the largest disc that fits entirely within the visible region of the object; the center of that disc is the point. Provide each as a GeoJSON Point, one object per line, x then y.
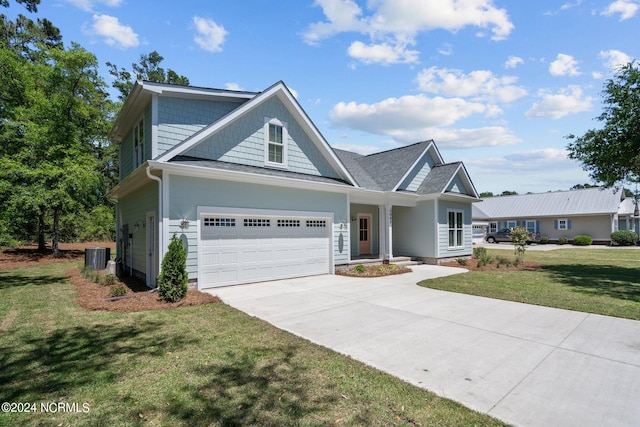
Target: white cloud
{"type": "Point", "coordinates": [233, 86]}
{"type": "Point", "coordinates": [402, 21]}
{"type": "Point", "coordinates": [490, 136]}
{"type": "Point", "coordinates": [446, 50]}
{"type": "Point", "coordinates": [570, 5]}
{"type": "Point", "coordinates": [569, 100]}
{"type": "Point", "coordinates": [480, 85]}
{"type": "Point", "coordinates": [513, 61]}
{"type": "Point", "coordinates": [114, 33]}
{"type": "Point", "coordinates": [626, 8]}
{"type": "Point", "coordinates": [88, 5]}
{"type": "Point", "coordinates": [412, 112]}
{"type": "Point", "coordinates": [382, 53]}
{"type": "Point", "coordinates": [210, 36]}
{"type": "Point", "coordinates": [564, 65]}
{"type": "Point", "coordinates": [614, 58]}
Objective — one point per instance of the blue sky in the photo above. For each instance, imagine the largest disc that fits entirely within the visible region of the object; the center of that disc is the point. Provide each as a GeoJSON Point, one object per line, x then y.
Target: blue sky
{"type": "Point", "coordinates": [497, 84]}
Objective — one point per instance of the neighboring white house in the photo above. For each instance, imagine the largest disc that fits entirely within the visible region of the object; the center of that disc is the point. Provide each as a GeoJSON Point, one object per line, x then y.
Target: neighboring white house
{"type": "Point", "coordinates": [256, 193]}
{"type": "Point", "coordinates": [596, 212]}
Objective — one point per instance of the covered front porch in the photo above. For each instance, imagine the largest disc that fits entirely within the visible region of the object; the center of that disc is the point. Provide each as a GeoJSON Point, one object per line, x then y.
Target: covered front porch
{"type": "Point", "coordinates": [371, 228]}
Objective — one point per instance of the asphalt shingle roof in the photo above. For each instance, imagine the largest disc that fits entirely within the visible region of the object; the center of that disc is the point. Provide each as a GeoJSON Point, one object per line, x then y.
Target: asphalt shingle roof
{"type": "Point", "coordinates": [590, 201]}
{"type": "Point", "coordinates": [438, 178]}
{"type": "Point", "coordinates": [215, 164]}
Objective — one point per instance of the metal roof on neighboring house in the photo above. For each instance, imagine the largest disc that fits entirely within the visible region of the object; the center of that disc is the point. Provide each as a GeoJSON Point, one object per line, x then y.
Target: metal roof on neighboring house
{"type": "Point", "coordinates": [588, 201]}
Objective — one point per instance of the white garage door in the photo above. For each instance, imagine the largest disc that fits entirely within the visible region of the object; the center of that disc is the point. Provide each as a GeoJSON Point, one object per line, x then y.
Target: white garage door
{"type": "Point", "coordinates": [252, 248]}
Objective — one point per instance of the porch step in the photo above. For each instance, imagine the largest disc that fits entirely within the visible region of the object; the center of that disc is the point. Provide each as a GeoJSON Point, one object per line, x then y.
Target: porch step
{"type": "Point", "coordinates": [405, 261]}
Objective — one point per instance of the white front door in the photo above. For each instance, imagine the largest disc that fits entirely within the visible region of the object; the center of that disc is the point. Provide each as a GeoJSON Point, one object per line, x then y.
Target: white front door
{"type": "Point", "coordinates": [152, 259]}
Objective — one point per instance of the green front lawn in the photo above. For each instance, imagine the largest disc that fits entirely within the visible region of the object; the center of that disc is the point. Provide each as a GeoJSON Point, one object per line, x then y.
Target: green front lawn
{"type": "Point", "coordinates": [192, 366]}
{"type": "Point", "coordinates": [602, 281]}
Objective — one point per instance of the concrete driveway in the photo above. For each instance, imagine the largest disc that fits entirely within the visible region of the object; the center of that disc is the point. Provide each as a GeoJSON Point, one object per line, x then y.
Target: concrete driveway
{"type": "Point", "coordinates": [524, 364]}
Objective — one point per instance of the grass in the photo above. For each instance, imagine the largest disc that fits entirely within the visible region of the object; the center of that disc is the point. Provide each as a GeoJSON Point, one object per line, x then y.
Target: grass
{"type": "Point", "coordinates": [602, 281]}
{"type": "Point", "coordinates": [192, 366]}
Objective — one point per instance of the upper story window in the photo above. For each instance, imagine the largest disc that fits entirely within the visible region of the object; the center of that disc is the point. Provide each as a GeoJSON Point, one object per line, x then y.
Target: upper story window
{"type": "Point", "coordinates": [275, 142]}
{"type": "Point", "coordinates": [138, 143]}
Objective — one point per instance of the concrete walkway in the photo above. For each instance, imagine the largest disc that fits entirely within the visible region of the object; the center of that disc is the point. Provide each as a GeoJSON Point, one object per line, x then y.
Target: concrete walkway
{"type": "Point", "coordinates": [524, 364]}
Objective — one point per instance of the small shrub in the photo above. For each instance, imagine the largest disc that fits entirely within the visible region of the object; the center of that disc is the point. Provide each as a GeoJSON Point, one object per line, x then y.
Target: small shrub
{"type": "Point", "coordinates": [563, 241]}
{"type": "Point", "coordinates": [109, 279]}
{"type": "Point", "coordinates": [517, 261]}
{"type": "Point", "coordinates": [479, 252]}
{"type": "Point", "coordinates": [484, 260]}
{"type": "Point", "coordinates": [462, 261]}
{"type": "Point", "coordinates": [624, 237]}
{"type": "Point", "coordinates": [543, 240]}
{"type": "Point", "coordinates": [582, 240]}
{"type": "Point", "coordinates": [500, 260]}
{"type": "Point", "coordinates": [118, 290]}
{"type": "Point", "coordinates": [174, 280]}
{"type": "Point", "coordinates": [359, 268]}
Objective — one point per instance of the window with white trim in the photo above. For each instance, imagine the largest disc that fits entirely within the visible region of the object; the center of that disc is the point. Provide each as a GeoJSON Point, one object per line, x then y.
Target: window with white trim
{"type": "Point", "coordinates": [563, 224]}
{"type": "Point", "coordinates": [275, 135]}
{"type": "Point", "coordinates": [493, 227]}
{"type": "Point", "coordinates": [512, 224]}
{"type": "Point", "coordinates": [456, 229]}
{"type": "Point", "coordinates": [138, 143]}
{"type": "Point", "coordinates": [531, 226]}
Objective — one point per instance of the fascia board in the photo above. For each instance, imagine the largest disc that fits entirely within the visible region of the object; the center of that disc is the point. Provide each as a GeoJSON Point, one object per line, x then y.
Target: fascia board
{"type": "Point", "coordinates": [246, 177]}
{"type": "Point", "coordinates": [466, 177]}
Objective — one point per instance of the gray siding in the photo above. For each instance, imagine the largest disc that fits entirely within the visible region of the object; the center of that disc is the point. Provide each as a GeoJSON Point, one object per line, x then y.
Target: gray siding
{"type": "Point", "coordinates": [126, 147]}
{"type": "Point", "coordinates": [457, 186]}
{"type": "Point", "coordinates": [133, 209]}
{"type": "Point", "coordinates": [179, 118]}
{"type": "Point", "coordinates": [243, 142]}
{"type": "Point", "coordinates": [186, 194]}
{"type": "Point", "coordinates": [418, 174]}
{"type": "Point", "coordinates": [414, 230]}
{"type": "Point", "coordinates": [596, 226]}
{"type": "Point", "coordinates": [443, 230]}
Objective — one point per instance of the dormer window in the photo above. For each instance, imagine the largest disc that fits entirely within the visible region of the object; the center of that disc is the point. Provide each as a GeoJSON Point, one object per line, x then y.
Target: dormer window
{"type": "Point", "coordinates": [275, 142]}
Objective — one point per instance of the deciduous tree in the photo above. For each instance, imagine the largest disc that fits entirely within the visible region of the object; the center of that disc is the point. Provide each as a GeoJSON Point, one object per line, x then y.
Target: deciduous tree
{"type": "Point", "coordinates": [611, 154]}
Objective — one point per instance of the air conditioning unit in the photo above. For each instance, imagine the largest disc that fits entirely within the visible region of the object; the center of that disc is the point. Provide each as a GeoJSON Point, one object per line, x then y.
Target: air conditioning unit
{"type": "Point", "coordinates": [96, 258]}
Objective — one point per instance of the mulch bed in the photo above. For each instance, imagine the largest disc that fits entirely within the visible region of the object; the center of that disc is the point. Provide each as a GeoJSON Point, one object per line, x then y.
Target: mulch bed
{"type": "Point", "coordinates": [472, 264]}
{"type": "Point", "coordinates": [374, 271]}
{"type": "Point", "coordinates": [94, 296]}
{"type": "Point", "coordinates": [91, 295]}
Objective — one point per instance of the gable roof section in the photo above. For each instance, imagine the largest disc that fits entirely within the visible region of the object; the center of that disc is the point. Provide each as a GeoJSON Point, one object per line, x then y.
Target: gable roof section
{"type": "Point", "coordinates": [441, 178]}
{"type": "Point", "coordinates": [589, 201]}
{"type": "Point", "coordinates": [284, 95]}
{"type": "Point", "coordinates": [351, 162]}
{"type": "Point", "coordinates": [143, 91]}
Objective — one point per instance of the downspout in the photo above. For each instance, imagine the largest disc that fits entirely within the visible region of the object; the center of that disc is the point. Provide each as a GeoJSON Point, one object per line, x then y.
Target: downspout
{"type": "Point", "coordinates": [159, 220]}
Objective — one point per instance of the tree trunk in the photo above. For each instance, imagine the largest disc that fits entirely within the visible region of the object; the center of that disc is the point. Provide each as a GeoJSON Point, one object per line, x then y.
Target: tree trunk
{"type": "Point", "coordinates": [42, 244]}
{"type": "Point", "coordinates": [54, 239]}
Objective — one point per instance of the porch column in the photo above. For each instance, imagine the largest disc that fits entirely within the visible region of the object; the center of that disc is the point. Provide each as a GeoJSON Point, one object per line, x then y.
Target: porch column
{"type": "Point", "coordinates": [385, 231]}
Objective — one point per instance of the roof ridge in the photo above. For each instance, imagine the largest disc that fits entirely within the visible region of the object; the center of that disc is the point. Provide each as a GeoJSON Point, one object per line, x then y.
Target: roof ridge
{"type": "Point", "coordinates": [404, 147]}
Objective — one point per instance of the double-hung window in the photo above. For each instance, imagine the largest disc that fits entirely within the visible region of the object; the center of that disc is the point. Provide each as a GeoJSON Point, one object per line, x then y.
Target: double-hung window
{"type": "Point", "coordinates": [138, 143]}
{"type": "Point", "coordinates": [275, 142]}
{"type": "Point", "coordinates": [563, 224]}
{"type": "Point", "coordinates": [456, 229]}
